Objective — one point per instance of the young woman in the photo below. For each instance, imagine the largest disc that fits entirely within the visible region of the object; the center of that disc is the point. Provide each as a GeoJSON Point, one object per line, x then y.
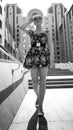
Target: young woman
{"type": "Point", "coordinates": [40, 56]}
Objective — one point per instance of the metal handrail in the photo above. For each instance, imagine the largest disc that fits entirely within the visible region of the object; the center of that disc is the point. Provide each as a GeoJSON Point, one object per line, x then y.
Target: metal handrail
{"type": "Point", "coordinates": [5, 51]}
{"type": "Point", "coordinates": [10, 56]}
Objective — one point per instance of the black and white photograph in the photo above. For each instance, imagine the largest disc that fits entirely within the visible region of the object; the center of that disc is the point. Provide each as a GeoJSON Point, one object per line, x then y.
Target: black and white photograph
{"type": "Point", "coordinates": [36, 65]}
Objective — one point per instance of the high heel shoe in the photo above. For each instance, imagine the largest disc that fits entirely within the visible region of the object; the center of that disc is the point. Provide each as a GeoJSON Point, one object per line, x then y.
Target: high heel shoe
{"type": "Point", "coordinates": [40, 112]}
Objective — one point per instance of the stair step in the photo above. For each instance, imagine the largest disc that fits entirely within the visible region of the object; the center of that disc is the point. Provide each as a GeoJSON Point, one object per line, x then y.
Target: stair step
{"type": "Point", "coordinates": [55, 80]}
{"type": "Point", "coordinates": [56, 83]}
{"type": "Point", "coordinates": [56, 86]}
{"type": "Point", "coordinates": [55, 72]}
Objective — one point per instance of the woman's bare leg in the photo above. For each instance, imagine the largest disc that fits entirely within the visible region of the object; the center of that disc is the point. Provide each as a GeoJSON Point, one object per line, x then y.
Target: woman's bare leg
{"type": "Point", "coordinates": [43, 74]}
{"type": "Point", "coordinates": [34, 75]}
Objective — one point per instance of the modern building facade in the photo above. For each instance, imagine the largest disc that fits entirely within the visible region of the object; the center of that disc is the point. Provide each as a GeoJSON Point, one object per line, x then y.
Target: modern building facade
{"type": "Point", "coordinates": [70, 32]}
{"type": "Point", "coordinates": [10, 44]}
{"type": "Point", "coordinates": [2, 26]}
{"type": "Point", "coordinates": [64, 41]}
{"type": "Point", "coordinates": [1, 20]}
{"type": "Point", "coordinates": [66, 36]}
{"type": "Point", "coordinates": [1, 23]}
{"type": "Point", "coordinates": [12, 21]}
{"type": "Point", "coordinates": [13, 13]}
{"type": "Point", "coordinates": [49, 28]}
{"type": "Point", "coordinates": [54, 19]}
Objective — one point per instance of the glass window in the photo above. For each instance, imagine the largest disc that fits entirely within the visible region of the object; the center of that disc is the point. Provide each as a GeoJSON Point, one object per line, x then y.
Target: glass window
{"type": "Point", "coordinates": [71, 27]}
{"type": "Point", "coordinates": [53, 29]}
{"type": "Point", "coordinates": [17, 35]}
{"type": "Point", "coordinates": [0, 38]}
{"type": "Point", "coordinates": [0, 54]}
{"type": "Point", "coordinates": [0, 9]}
{"type": "Point", "coordinates": [58, 53]}
{"type": "Point", "coordinates": [17, 19]}
{"type": "Point", "coordinates": [53, 34]}
{"type": "Point", "coordinates": [52, 19]}
{"type": "Point", "coordinates": [0, 24]}
{"type": "Point", "coordinates": [70, 22]}
{"type": "Point", "coordinates": [57, 48]}
{"type": "Point", "coordinates": [53, 39]}
{"type": "Point", "coordinates": [58, 57]}
{"type": "Point", "coordinates": [17, 26]}
{"type": "Point", "coordinates": [17, 39]}
{"type": "Point", "coordinates": [17, 30]}
{"type": "Point", "coordinates": [72, 11]}
{"type": "Point", "coordinates": [71, 32]}
{"type": "Point", "coordinates": [69, 15]}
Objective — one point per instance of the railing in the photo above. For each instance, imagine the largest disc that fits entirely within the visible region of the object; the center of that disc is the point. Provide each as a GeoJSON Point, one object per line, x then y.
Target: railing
{"type": "Point", "coordinates": [10, 57]}
{"type": "Point", "coordinates": [5, 51]}
{"type": "Point", "coordinates": [13, 87]}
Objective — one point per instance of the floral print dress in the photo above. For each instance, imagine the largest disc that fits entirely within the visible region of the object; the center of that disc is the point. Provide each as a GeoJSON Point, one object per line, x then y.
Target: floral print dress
{"type": "Point", "coordinates": [39, 54]}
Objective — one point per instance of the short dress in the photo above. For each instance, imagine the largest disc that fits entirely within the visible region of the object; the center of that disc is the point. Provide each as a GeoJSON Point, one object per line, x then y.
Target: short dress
{"type": "Point", "coordinates": [38, 54]}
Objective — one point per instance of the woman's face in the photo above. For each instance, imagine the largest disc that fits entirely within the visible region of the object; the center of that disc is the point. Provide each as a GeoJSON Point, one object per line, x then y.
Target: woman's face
{"type": "Point", "coordinates": [38, 21]}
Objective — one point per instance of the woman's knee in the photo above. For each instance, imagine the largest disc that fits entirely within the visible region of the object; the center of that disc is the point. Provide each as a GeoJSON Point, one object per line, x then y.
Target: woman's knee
{"type": "Point", "coordinates": [35, 81]}
{"type": "Point", "coordinates": [43, 83]}
{"type": "Point", "coordinates": [42, 80]}
{"type": "Point", "coordinates": [34, 75]}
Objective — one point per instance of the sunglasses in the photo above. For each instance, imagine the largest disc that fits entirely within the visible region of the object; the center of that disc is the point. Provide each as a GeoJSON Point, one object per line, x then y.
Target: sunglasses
{"type": "Point", "coordinates": [37, 18]}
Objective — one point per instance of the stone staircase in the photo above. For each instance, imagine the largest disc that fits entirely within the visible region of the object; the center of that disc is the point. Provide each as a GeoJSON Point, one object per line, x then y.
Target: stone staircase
{"type": "Point", "coordinates": [57, 79]}
{"type": "Point", "coordinates": [59, 72]}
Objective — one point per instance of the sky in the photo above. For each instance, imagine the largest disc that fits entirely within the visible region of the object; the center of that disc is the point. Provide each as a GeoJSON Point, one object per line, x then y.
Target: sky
{"type": "Point", "coordinates": [43, 5]}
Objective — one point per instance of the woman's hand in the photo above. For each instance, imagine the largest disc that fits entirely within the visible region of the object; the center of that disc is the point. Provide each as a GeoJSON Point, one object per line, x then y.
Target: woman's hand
{"type": "Point", "coordinates": [27, 22]}
{"type": "Point", "coordinates": [30, 19]}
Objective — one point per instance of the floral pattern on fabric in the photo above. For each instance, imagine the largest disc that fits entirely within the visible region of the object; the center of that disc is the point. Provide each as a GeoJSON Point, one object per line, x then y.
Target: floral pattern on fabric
{"type": "Point", "coordinates": [38, 55]}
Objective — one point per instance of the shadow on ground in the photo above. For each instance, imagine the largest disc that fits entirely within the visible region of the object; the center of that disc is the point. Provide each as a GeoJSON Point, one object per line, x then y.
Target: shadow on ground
{"type": "Point", "coordinates": [37, 123]}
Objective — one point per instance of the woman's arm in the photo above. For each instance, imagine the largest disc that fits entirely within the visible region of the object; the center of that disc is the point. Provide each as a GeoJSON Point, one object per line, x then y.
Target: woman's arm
{"type": "Point", "coordinates": [23, 27]}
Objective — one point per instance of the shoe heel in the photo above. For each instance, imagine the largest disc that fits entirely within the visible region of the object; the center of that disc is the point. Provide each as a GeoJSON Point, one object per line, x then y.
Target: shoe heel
{"type": "Point", "coordinates": [40, 114]}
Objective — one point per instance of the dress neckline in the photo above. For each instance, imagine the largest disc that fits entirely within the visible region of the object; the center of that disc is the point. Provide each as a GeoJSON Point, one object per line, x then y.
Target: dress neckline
{"type": "Point", "coordinates": [38, 33]}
